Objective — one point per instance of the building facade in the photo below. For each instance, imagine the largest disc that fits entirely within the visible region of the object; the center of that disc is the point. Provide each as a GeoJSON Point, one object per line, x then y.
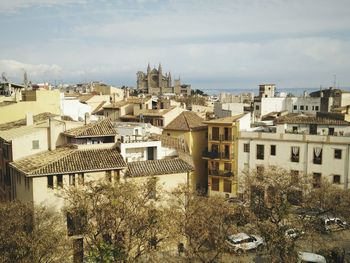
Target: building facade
{"type": "Point", "coordinates": [221, 154]}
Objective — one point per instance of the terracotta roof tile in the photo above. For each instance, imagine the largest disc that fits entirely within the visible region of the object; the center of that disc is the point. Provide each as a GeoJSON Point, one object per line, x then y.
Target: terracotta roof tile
{"type": "Point", "coordinates": [96, 129]}
{"type": "Point", "coordinates": [70, 160]}
{"type": "Point", "coordinates": [307, 119]}
{"type": "Point", "coordinates": [157, 167]}
{"type": "Point", "coordinates": [186, 121]}
{"type": "Point", "coordinates": [85, 98]}
{"type": "Point", "coordinates": [226, 120]}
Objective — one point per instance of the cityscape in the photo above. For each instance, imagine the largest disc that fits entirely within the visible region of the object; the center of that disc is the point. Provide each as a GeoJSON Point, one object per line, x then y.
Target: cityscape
{"type": "Point", "coordinates": [127, 134]}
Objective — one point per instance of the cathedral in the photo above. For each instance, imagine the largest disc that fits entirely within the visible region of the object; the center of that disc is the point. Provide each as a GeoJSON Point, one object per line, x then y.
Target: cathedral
{"type": "Point", "coordinates": [155, 83]}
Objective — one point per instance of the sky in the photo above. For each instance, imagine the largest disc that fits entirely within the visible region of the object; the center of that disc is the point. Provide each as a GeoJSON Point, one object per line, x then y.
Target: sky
{"type": "Point", "coordinates": [210, 44]}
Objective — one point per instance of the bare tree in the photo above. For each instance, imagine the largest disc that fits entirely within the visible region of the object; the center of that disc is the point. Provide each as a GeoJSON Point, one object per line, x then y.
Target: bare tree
{"type": "Point", "coordinates": [202, 224]}
{"type": "Point", "coordinates": [31, 234]}
{"type": "Point", "coordinates": [120, 222]}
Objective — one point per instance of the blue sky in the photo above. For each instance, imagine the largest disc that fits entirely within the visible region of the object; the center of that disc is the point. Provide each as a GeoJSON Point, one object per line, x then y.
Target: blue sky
{"type": "Point", "coordinates": [210, 44]}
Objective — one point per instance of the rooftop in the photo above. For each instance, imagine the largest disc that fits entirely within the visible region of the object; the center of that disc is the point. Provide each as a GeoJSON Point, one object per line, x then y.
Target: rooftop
{"type": "Point", "coordinates": [96, 129]}
{"type": "Point", "coordinates": [70, 160]}
{"type": "Point", "coordinates": [295, 118]}
{"type": "Point", "coordinates": [186, 121]}
{"type": "Point", "coordinates": [226, 120]}
{"type": "Point", "coordinates": [22, 122]}
{"type": "Point", "coordinates": [85, 98]}
{"type": "Point", "coordinates": [159, 113]}
{"type": "Point", "coordinates": [157, 167]}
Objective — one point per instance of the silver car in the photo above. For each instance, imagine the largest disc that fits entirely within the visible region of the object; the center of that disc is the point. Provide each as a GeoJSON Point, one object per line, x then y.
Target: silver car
{"type": "Point", "coordinates": [242, 242]}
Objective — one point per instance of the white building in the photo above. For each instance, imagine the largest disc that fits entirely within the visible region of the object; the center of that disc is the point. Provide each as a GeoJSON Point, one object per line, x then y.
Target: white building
{"type": "Point", "coordinates": [71, 106]}
{"type": "Point", "coordinates": [222, 110]}
{"type": "Point", "coordinates": [301, 144]}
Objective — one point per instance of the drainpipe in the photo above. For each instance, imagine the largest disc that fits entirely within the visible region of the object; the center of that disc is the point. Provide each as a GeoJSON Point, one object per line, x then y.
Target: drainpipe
{"type": "Point", "coordinates": [346, 174]}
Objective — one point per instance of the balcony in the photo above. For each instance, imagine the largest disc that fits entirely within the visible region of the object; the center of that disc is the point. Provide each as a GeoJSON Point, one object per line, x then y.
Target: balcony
{"type": "Point", "coordinates": [227, 137]}
{"type": "Point", "coordinates": [215, 172]}
{"type": "Point", "coordinates": [317, 160]}
{"type": "Point", "coordinates": [211, 155]}
{"type": "Point", "coordinates": [214, 137]}
{"type": "Point", "coordinates": [294, 158]}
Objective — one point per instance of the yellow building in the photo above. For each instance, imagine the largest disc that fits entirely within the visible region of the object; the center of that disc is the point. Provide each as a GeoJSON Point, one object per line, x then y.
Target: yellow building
{"type": "Point", "coordinates": [189, 127]}
{"type": "Point", "coordinates": [221, 153]}
{"type": "Point", "coordinates": [34, 101]}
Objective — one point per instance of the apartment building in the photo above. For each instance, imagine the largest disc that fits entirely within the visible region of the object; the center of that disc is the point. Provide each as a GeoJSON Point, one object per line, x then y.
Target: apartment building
{"type": "Point", "coordinates": [221, 154]}
{"type": "Point", "coordinates": [189, 127]}
{"type": "Point", "coordinates": [310, 145]}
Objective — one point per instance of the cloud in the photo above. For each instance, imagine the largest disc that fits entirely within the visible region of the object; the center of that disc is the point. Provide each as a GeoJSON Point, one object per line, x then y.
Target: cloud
{"type": "Point", "coordinates": [12, 6]}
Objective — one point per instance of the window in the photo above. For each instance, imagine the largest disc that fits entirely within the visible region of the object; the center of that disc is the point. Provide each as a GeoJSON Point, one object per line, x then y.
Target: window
{"type": "Point", "coordinates": [260, 151]}
{"type": "Point", "coordinates": [301, 107]}
{"type": "Point", "coordinates": [331, 131]}
{"type": "Point", "coordinates": [50, 181]}
{"type": "Point", "coordinates": [295, 129]}
{"type": "Point", "coordinates": [317, 155]}
{"type": "Point", "coordinates": [337, 153]}
{"type": "Point", "coordinates": [227, 186]}
{"type": "Point", "coordinates": [295, 107]}
{"type": "Point", "coordinates": [215, 133]}
{"type": "Point", "coordinates": [215, 184]}
{"type": "Point", "coordinates": [316, 108]}
{"type": "Point", "coordinates": [35, 144]}
{"type": "Point", "coordinates": [306, 107]}
{"type": "Point", "coordinates": [72, 179]}
{"type": "Point", "coordinates": [295, 154]}
{"type": "Point", "coordinates": [227, 167]}
{"type": "Point", "coordinates": [246, 147]}
{"type": "Point", "coordinates": [316, 180]}
{"type": "Point", "coordinates": [273, 150]}
{"type": "Point", "coordinates": [336, 179]}
{"type": "Point", "coordinates": [257, 107]}
{"type": "Point", "coordinates": [59, 181]}
{"type": "Point", "coordinates": [313, 107]}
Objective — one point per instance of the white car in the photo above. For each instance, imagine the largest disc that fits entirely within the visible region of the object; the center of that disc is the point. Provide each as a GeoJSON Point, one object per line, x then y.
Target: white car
{"type": "Point", "coordinates": [242, 242]}
{"type": "Point", "coordinates": [308, 257]}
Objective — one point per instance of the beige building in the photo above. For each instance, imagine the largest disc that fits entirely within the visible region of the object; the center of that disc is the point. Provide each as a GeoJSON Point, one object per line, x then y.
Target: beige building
{"type": "Point", "coordinates": [34, 101]}
{"type": "Point", "coordinates": [166, 173]}
{"type": "Point", "coordinates": [26, 137]}
{"type": "Point", "coordinates": [161, 117]}
{"type": "Point", "coordinates": [189, 127]}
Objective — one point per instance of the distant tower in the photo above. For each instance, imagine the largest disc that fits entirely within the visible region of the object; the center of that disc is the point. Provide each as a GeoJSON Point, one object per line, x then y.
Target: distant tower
{"type": "Point", "coordinates": [169, 80]}
{"type": "Point", "coordinates": [160, 76]}
{"type": "Point", "coordinates": [148, 69]}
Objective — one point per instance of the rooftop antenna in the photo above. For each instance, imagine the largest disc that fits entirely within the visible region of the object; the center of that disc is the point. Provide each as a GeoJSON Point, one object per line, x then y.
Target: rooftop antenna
{"type": "Point", "coordinates": [335, 80]}
{"type": "Point", "coordinates": [25, 79]}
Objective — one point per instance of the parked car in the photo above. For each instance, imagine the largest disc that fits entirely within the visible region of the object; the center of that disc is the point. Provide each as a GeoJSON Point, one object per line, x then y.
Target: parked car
{"type": "Point", "coordinates": [242, 242]}
{"type": "Point", "coordinates": [330, 224]}
{"type": "Point", "coordinates": [293, 233]}
{"type": "Point", "coordinates": [307, 257]}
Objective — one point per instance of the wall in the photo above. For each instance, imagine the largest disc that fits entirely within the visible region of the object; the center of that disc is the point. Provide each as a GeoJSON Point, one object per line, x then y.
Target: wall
{"type": "Point", "coordinates": [46, 101]}
{"type": "Point", "coordinates": [284, 142]}
{"type": "Point", "coordinates": [222, 110]}
{"type": "Point", "coordinates": [75, 109]}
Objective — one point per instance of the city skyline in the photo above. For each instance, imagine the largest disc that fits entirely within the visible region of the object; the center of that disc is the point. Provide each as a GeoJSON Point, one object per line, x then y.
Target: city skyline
{"type": "Point", "coordinates": [210, 44]}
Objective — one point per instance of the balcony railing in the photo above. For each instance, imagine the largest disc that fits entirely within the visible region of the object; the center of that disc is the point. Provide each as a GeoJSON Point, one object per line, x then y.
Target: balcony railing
{"type": "Point", "coordinates": [211, 155]}
{"type": "Point", "coordinates": [217, 155]}
{"type": "Point", "coordinates": [220, 173]}
{"type": "Point", "coordinates": [221, 137]}
{"type": "Point", "coordinates": [294, 158]}
{"type": "Point", "coordinates": [317, 160]}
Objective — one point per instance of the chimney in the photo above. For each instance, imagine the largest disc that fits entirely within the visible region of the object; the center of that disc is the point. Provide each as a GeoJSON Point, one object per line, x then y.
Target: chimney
{"type": "Point", "coordinates": [52, 143]}
{"type": "Point", "coordinates": [87, 118]}
{"type": "Point", "coordinates": [29, 119]}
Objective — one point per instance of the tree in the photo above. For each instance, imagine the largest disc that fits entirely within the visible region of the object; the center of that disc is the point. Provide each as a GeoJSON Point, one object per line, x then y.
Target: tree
{"type": "Point", "coordinates": [202, 223]}
{"type": "Point", "coordinates": [122, 222]}
{"type": "Point", "coordinates": [31, 233]}
{"type": "Point", "coordinates": [272, 194]}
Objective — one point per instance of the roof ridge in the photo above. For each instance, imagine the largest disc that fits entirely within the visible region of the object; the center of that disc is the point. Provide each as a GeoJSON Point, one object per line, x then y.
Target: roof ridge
{"type": "Point", "coordinates": [186, 120]}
